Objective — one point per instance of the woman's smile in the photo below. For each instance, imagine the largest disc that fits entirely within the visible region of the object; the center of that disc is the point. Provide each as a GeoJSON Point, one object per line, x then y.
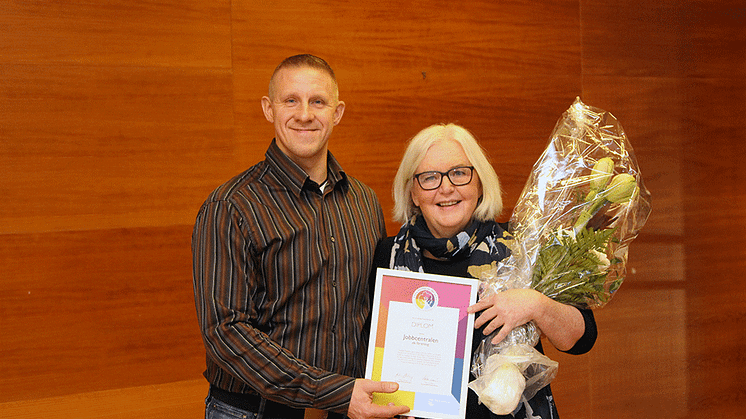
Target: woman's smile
{"type": "Point", "coordinates": [448, 209]}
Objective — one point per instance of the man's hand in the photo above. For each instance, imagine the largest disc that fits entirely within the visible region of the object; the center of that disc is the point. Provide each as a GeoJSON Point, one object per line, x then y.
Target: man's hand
{"type": "Point", "coordinates": [361, 403]}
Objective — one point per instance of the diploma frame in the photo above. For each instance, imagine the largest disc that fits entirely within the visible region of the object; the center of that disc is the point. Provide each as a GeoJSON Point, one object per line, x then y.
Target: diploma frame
{"type": "Point", "coordinates": [421, 337]}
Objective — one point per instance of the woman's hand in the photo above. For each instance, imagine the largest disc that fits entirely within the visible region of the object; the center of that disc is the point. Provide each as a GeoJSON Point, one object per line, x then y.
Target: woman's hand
{"type": "Point", "coordinates": [562, 324]}
{"type": "Point", "coordinates": [508, 309]}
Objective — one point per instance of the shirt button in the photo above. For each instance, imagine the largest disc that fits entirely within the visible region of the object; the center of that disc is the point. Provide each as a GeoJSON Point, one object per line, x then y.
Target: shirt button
{"type": "Point", "coordinates": [333, 239]}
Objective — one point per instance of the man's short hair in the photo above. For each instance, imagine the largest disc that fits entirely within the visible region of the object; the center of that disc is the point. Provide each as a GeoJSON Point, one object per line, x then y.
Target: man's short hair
{"type": "Point", "coordinates": [304, 60]}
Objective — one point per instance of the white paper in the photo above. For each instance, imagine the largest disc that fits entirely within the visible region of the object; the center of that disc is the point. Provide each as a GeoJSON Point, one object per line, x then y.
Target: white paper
{"type": "Point", "coordinates": [419, 345]}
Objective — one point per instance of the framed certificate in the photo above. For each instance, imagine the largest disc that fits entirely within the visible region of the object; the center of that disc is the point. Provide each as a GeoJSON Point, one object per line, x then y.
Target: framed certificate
{"type": "Point", "coordinates": [421, 338]}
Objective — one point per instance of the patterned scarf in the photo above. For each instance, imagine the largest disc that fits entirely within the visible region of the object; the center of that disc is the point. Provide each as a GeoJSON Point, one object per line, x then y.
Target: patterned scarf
{"type": "Point", "coordinates": [483, 243]}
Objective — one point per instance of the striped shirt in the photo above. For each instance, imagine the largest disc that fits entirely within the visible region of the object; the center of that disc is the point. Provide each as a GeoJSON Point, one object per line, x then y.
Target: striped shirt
{"type": "Point", "coordinates": [280, 282]}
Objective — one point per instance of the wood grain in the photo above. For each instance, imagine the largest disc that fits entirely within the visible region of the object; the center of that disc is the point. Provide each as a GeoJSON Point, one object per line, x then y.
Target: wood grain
{"type": "Point", "coordinates": [118, 118]}
{"type": "Point", "coordinates": [183, 399]}
{"type": "Point", "coordinates": [173, 33]}
{"type": "Point", "coordinates": [693, 38]}
{"type": "Point", "coordinates": [98, 147]}
{"type": "Point", "coordinates": [680, 94]}
{"type": "Point", "coordinates": [93, 310]}
{"type": "Point", "coordinates": [715, 205]}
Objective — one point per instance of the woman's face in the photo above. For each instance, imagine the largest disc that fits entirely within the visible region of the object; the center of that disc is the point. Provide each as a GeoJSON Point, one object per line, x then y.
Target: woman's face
{"type": "Point", "coordinates": [447, 209]}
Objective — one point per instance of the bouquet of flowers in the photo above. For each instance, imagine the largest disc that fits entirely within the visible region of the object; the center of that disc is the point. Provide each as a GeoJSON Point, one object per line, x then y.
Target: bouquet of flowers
{"type": "Point", "coordinates": [582, 205]}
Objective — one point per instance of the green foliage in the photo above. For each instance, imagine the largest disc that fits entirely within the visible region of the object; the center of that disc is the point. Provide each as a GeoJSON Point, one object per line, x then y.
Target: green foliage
{"type": "Point", "coordinates": [568, 271]}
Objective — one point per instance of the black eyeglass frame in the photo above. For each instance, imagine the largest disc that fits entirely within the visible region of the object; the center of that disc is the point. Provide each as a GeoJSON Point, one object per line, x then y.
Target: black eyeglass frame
{"type": "Point", "coordinates": [442, 174]}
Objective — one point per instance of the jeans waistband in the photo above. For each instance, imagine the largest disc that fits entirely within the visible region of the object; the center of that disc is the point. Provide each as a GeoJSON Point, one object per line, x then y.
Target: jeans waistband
{"type": "Point", "coordinates": [253, 403]}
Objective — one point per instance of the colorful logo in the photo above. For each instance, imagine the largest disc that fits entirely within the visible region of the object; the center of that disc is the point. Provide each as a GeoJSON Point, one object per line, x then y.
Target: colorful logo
{"type": "Point", "coordinates": [425, 298]}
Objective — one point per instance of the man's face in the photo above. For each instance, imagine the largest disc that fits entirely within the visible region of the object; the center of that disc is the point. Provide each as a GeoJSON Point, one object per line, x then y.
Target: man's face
{"type": "Point", "coordinates": [303, 108]}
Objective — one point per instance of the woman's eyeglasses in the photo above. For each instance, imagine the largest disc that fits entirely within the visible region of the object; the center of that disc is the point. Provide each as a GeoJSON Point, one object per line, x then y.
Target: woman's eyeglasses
{"type": "Point", "coordinates": [459, 176]}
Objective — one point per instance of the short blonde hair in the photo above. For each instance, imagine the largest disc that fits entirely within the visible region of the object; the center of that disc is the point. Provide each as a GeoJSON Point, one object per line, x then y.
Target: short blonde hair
{"type": "Point", "coordinates": [491, 202]}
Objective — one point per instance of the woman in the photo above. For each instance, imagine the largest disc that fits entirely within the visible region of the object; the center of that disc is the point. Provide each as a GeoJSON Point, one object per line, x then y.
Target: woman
{"type": "Point", "coordinates": [447, 196]}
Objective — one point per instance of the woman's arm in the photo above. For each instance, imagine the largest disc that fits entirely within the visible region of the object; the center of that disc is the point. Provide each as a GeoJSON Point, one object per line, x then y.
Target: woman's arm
{"type": "Point", "coordinates": [562, 324]}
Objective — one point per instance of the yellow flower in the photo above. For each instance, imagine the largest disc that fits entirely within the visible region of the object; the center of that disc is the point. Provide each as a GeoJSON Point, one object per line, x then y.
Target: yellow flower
{"type": "Point", "coordinates": [621, 188]}
{"type": "Point", "coordinates": [601, 173]}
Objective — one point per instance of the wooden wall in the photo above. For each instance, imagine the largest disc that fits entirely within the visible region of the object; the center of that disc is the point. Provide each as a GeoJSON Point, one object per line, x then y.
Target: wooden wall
{"type": "Point", "coordinates": [117, 119]}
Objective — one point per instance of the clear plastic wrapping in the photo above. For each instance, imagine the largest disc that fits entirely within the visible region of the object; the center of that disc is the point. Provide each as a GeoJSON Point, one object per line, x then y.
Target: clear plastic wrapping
{"type": "Point", "coordinates": [583, 203]}
{"type": "Point", "coordinates": [509, 374]}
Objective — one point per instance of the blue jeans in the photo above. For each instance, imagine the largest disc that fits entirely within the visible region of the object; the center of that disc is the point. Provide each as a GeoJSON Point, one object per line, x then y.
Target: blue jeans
{"type": "Point", "coordinates": [216, 409]}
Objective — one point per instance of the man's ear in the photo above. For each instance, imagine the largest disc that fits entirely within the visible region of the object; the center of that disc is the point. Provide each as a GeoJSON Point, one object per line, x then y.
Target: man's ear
{"type": "Point", "coordinates": [267, 108]}
{"type": "Point", "coordinates": [338, 112]}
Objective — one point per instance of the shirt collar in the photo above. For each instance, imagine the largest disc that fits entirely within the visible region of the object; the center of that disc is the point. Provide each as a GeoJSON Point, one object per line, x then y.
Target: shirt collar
{"type": "Point", "coordinates": [297, 179]}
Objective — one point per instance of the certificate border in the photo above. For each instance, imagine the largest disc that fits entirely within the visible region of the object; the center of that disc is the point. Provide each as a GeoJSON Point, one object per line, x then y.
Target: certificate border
{"type": "Point", "coordinates": [378, 326]}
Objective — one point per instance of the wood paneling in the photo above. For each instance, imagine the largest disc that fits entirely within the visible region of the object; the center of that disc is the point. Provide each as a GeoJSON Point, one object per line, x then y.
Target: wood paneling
{"type": "Point", "coordinates": [118, 118]}
{"type": "Point", "coordinates": [715, 208]}
{"type": "Point", "coordinates": [98, 147]}
{"type": "Point", "coordinates": [115, 120]}
{"type": "Point", "coordinates": [638, 365]}
{"type": "Point", "coordinates": [173, 33]}
{"type": "Point", "coordinates": [673, 72]}
{"type": "Point", "coordinates": [407, 36]}
{"type": "Point", "coordinates": [183, 399]}
{"type": "Point", "coordinates": [93, 310]}
{"type": "Point", "coordinates": [675, 38]}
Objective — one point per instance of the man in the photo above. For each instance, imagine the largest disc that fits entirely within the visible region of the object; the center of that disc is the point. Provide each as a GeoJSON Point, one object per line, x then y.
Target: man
{"type": "Point", "coordinates": [281, 255]}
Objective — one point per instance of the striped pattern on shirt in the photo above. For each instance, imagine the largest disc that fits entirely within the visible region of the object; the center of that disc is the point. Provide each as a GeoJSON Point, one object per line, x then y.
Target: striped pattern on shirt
{"type": "Point", "coordinates": [280, 282]}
